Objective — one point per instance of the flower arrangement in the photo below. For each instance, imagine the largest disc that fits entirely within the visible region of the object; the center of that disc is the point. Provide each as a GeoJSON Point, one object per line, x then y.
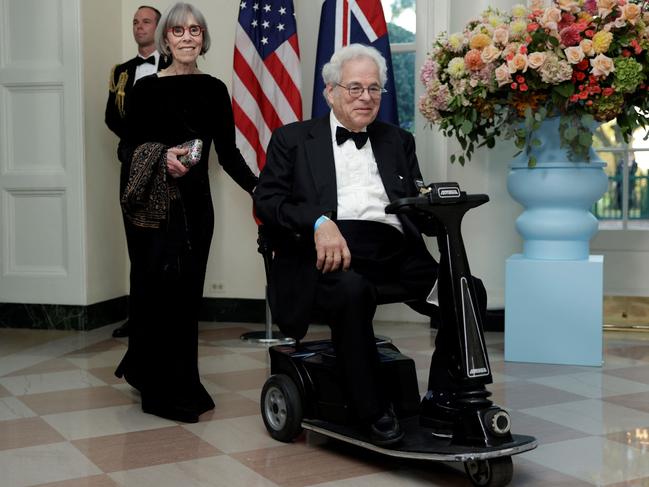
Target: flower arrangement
{"type": "Point", "coordinates": [583, 60]}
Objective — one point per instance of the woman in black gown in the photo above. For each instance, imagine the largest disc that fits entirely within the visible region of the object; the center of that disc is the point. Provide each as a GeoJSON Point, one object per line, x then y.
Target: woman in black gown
{"type": "Point", "coordinates": [168, 263]}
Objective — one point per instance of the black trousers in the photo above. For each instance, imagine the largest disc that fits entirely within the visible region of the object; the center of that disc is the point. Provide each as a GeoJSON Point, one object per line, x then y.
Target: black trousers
{"type": "Point", "coordinates": [348, 301]}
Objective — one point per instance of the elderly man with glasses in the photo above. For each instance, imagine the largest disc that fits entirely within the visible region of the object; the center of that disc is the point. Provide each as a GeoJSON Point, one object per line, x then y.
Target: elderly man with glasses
{"type": "Point", "coordinates": [328, 180]}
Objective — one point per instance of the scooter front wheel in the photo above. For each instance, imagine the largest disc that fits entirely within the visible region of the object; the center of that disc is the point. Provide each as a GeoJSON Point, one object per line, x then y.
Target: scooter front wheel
{"type": "Point", "coordinates": [281, 408]}
{"type": "Point", "coordinates": [494, 472]}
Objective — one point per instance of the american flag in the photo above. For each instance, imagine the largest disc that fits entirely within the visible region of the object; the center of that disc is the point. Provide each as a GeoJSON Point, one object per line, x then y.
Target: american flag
{"type": "Point", "coordinates": [343, 22]}
{"type": "Point", "coordinates": [266, 78]}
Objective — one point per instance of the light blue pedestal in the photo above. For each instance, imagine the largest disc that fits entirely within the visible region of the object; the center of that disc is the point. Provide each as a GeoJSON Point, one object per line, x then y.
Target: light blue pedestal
{"type": "Point", "coordinates": [553, 310]}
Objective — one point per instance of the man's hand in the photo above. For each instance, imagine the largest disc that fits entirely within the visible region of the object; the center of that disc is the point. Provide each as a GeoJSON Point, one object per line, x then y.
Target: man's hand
{"type": "Point", "coordinates": [174, 167]}
{"type": "Point", "coordinates": [331, 248]}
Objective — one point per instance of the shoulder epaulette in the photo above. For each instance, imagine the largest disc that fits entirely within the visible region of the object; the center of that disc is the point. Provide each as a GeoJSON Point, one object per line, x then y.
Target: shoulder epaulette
{"type": "Point", "coordinates": [118, 89]}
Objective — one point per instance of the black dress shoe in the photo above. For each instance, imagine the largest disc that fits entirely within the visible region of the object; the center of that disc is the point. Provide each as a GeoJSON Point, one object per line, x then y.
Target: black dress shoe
{"type": "Point", "coordinates": [386, 430]}
{"type": "Point", "coordinates": [122, 331]}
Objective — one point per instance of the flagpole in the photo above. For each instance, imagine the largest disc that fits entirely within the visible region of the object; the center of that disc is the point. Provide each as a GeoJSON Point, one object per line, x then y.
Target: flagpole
{"type": "Point", "coordinates": [268, 336]}
{"type": "Point", "coordinates": [265, 95]}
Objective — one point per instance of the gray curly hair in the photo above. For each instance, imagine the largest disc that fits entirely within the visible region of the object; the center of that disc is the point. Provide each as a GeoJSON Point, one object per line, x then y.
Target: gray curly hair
{"type": "Point", "coordinates": [332, 71]}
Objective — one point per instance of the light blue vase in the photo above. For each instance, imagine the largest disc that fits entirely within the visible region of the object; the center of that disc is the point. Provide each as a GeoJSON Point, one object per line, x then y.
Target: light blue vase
{"type": "Point", "coordinates": [557, 195]}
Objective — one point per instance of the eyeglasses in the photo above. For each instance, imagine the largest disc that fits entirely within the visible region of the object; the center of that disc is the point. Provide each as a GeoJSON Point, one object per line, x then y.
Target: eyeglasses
{"type": "Point", "coordinates": [179, 30]}
{"type": "Point", "coordinates": [355, 91]}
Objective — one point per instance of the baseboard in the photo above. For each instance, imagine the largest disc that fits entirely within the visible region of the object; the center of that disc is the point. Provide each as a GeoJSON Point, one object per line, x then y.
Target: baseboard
{"type": "Point", "coordinates": [72, 317]}
{"type": "Point", "coordinates": [237, 310]}
{"type": "Point", "coordinates": [61, 316]}
{"type": "Point", "coordinates": [84, 318]}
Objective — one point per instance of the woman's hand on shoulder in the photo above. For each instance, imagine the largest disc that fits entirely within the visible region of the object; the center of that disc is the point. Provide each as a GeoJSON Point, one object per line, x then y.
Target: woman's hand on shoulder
{"type": "Point", "coordinates": [174, 167]}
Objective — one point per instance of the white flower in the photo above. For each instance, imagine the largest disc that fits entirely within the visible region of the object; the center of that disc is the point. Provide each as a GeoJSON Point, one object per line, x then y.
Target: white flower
{"type": "Point", "coordinates": [574, 54]}
{"type": "Point", "coordinates": [602, 65]}
{"type": "Point", "coordinates": [535, 60]}
{"type": "Point", "coordinates": [519, 11]}
{"type": "Point", "coordinates": [490, 53]}
{"type": "Point", "coordinates": [456, 41]}
{"type": "Point", "coordinates": [456, 67]}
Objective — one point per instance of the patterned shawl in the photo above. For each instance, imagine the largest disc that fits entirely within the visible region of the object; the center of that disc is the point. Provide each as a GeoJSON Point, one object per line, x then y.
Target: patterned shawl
{"type": "Point", "coordinates": [146, 199]}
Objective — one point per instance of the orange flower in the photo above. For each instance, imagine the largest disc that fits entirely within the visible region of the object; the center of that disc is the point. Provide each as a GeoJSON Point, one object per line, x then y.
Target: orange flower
{"type": "Point", "coordinates": [473, 60]}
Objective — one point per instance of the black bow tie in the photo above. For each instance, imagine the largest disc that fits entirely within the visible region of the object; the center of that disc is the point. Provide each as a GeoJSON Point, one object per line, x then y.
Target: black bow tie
{"type": "Point", "coordinates": [140, 60]}
{"type": "Point", "coordinates": [359, 138]}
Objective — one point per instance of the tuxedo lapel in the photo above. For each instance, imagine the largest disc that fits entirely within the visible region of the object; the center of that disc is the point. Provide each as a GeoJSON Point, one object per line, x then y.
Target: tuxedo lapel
{"type": "Point", "coordinates": [130, 69]}
{"type": "Point", "coordinates": [320, 157]}
{"type": "Point", "coordinates": [387, 157]}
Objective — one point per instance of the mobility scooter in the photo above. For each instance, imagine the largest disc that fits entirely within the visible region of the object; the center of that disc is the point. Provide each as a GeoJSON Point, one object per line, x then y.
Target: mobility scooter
{"type": "Point", "coordinates": [304, 390]}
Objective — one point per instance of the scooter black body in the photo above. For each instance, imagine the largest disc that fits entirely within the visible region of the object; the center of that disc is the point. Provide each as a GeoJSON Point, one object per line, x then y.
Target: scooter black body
{"type": "Point", "coordinates": [304, 390]}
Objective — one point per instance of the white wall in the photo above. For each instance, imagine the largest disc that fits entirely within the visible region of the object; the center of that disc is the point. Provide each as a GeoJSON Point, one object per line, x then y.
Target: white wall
{"type": "Point", "coordinates": [235, 269]}
{"type": "Point", "coordinates": [107, 261]}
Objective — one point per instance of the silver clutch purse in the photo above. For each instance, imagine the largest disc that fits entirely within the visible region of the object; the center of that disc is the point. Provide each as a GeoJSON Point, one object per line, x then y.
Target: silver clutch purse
{"type": "Point", "coordinates": [194, 155]}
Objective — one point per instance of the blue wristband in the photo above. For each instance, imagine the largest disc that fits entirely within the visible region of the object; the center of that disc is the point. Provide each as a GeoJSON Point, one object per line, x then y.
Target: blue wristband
{"type": "Point", "coordinates": [320, 221]}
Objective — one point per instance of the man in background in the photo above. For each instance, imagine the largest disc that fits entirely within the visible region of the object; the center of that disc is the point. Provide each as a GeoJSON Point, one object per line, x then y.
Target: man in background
{"type": "Point", "coordinates": [122, 78]}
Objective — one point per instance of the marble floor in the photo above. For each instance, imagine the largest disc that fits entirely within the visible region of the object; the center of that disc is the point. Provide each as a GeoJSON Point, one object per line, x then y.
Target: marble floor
{"type": "Point", "coordinates": [66, 421]}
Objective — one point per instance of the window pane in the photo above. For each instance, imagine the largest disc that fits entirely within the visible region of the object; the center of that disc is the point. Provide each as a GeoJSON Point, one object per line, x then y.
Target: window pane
{"type": "Point", "coordinates": [401, 19]}
{"type": "Point", "coordinates": [605, 137]}
{"type": "Point", "coordinates": [400, 13]}
{"type": "Point", "coordinates": [403, 64]}
{"type": "Point", "coordinates": [609, 206]}
{"type": "Point", "coordinates": [639, 177]}
{"type": "Point", "coordinates": [626, 186]}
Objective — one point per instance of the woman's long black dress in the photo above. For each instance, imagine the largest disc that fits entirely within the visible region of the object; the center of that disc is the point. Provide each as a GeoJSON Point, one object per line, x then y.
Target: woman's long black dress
{"type": "Point", "coordinates": [168, 264]}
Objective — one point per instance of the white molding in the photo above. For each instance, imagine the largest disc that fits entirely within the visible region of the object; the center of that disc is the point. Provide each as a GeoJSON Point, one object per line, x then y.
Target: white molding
{"type": "Point", "coordinates": [433, 17]}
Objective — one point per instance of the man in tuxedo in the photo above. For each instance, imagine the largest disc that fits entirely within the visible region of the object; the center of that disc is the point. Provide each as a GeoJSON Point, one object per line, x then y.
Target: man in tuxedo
{"type": "Point", "coordinates": [122, 78]}
{"type": "Point", "coordinates": [326, 182]}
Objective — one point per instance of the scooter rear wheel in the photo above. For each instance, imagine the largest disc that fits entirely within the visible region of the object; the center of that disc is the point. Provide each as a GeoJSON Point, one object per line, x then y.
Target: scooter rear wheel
{"type": "Point", "coordinates": [281, 408]}
{"type": "Point", "coordinates": [494, 472]}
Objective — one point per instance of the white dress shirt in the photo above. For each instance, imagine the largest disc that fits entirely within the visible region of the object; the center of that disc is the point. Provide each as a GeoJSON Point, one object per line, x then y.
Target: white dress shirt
{"type": "Point", "coordinates": [145, 69]}
{"type": "Point", "coordinates": [361, 194]}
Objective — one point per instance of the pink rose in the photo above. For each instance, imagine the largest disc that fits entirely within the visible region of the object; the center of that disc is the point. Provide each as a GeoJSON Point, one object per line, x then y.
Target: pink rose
{"type": "Point", "coordinates": [631, 13]}
{"type": "Point", "coordinates": [490, 53]}
{"type": "Point", "coordinates": [605, 7]}
{"type": "Point", "coordinates": [587, 47]}
{"type": "Point", "coordinates": [551, 18]}
{"type": "Point", "coordinates": [568, 5]}
{"type": "Point", "coordinates": [503, 76]}
{"type": "Point", "coordinates": [517, 63]}
{"type": "Point", "coordinates": [501, 35]}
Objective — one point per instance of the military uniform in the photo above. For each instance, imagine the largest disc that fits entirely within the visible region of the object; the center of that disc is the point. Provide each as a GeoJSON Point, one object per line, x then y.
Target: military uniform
{"type": "Point", "coordinates": [121, 81]}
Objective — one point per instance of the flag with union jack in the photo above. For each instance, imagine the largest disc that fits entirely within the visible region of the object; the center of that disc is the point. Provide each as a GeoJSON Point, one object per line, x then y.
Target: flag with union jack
{"type": "Point", "coordinates": [344, 22]}
{"type": "Point", "coordinates": [266, 78]}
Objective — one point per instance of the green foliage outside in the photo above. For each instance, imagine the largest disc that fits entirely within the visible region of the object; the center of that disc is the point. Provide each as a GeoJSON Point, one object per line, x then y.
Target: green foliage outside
{"type": "Point", "coordinates": [403, 65]}
{"type": "Point", "coordinates": [399, 6]}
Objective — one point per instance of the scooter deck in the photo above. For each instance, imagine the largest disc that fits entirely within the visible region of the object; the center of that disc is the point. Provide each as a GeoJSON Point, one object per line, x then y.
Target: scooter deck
{"type": "Point", "coordinates": [420, 442]}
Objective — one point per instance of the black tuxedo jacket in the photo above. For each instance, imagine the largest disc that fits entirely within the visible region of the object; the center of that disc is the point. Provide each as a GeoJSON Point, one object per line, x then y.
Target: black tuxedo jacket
{"type": "Point", "coordinates": [122, 77]}
{"type": "Point", "coordinates": [298, 184]}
